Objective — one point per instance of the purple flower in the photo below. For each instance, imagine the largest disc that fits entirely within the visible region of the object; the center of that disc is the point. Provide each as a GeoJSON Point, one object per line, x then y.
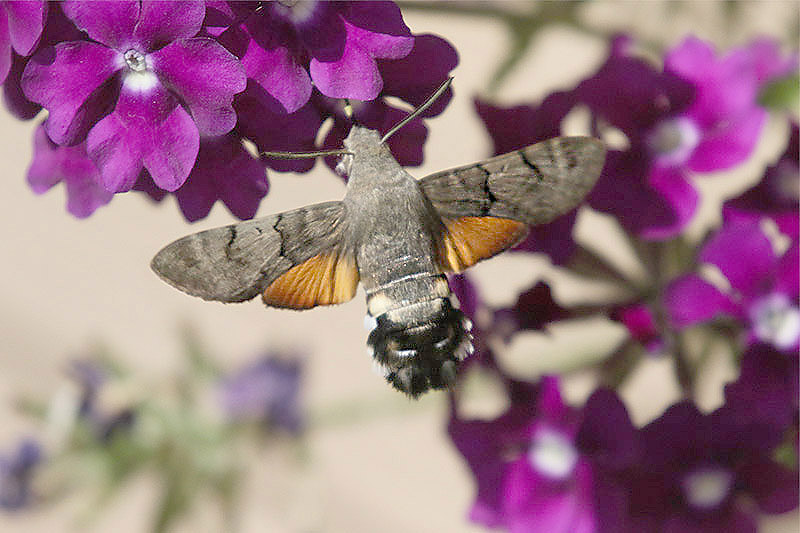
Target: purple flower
{"type": "Point", "coordinates": [533, 310]}
{"type": "Point", "coordinates": [16, 475]}
{"type": "Point", "coordinates": [104, 426]}
{"type": "Point", "coordinates": [124, 91]}
{"type": "Point", "coordinates": [412, 79]}
{"type": "Point", "coordinates": [766, 393]}
{"type": "Point", "coordinates": [532, 475]}
{"type": "Point", "coordinates": [777, 194]}
{"type": "Point", "coordinates": [224, 171]}
{"type": "Point", "coordinates": [699, 115]}
{"type": "Point", "coordinates": [700, 473]}
{"type": "Point", "coordinates": [57, 28]}
{"type": "Point", "coordinates": [21, 26]}
{"type": "Point", "coordinates": [71, 165]}
{"type": "Point", "coordinates": [519, 126]}
{"type": "Point", "coordinates": [763, 291]}
{"type": "Point", "coordinates": [287, 48]}
{"type": "Point", "coordinates": [638, 319]}
{"type": "Point", "coordinates": [267, 391]}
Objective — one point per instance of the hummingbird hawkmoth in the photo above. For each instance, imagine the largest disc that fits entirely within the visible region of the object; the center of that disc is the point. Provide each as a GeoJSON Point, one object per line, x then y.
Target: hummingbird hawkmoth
{"type": "Point", "coordinates": [398, 236]}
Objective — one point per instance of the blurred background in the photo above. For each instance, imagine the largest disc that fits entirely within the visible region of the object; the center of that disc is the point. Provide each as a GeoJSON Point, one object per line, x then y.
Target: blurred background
{"type": "Point", "coordinates": [370, 459]}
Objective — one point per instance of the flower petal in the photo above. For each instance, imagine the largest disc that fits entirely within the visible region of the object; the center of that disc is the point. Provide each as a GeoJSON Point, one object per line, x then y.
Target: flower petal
{"type": "Point", "coordinates": [638, 202]}
{"type": "Point", "coordinates": [788, 272]}
{"type": "Point", "coordinates": [161, 22]}
{"type": "Point", "coordinates": [147, 129]}
{"type": "Point", "coordinates": [5, 47]}
{"type": "Point", "coordinates": [632, 95]}
{"type": "Point", "coordinates": [354, 75]}
{"type": "Point", "coordinates": [726, 87]}
{"type": "Point", "coordinates": [607, 434]}
{"type": "Point", "coordinates": [774, 487]}
{"type": "Point", "coordinates": [226, 171]}
{"type": "Point", "coordinates": [726, 147]}
{"type": "Point", "coordinates": [25, 24]}
{"type": "Point", "coordinates": [205, 76]}
{"type": "Point", "coordinates": [764, 397]}
{"type": "Point", "coordinates": [691, 299]}
{"type": "Point", "coordinates": [416, 76]}
{"type": "Point", "coordinates": [532, 504]}
{"type": "Point", "coordinates": [672, 184]}
{"type": "Point", "coordinates": [110, 23]}
{"type": "Point", "coordinates": [272, 65]}
{"type": "Point", "coordinates": [14, 100]}
{"type": "Point", "coordinates": [276, 131]}
{"type": "Point", "coordinates": [69, 80]}
{"type": "Point", "coordinates": [513, 128]}
{"type": "Point", "coordinates": [479, 443]}
{"type": "Point", "coordinates": [378, 28]}
{"type": "Point", "coordinates": [743, 254]}
{"type": "Point", "coordinates": [554, 239]}
{"type": "Point", "coordinates": [52, 164]}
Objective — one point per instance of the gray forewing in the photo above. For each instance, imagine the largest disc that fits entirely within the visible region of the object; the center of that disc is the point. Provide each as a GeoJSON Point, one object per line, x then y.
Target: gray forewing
{"type": "Point", "coordinates": [237, 262]}
{"type": "Point", "coordinates": [533, 185]}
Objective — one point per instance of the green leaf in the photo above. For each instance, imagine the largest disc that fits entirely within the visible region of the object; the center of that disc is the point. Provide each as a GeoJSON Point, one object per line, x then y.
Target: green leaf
{"type": "Point", "coordinates": [782, 94]}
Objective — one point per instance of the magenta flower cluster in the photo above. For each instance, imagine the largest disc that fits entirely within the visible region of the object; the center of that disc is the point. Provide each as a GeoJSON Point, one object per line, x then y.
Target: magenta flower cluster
{"type": "Point", "coordinates": [543, 465]}
{"type": "Point", "coordinates": [158, 96]}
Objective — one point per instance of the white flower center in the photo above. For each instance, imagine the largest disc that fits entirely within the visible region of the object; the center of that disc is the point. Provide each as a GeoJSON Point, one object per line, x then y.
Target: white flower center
{"type": "Point", "coordinates": [674, 140]}
{"type": "Point", "coordinates": [776, 321]}
{"type": "Point", "coordinates": [706, 488]}
{"type": "Point", "coordinates": [135, 61]}
{"type": "Point", "coordinates": [296, 10]}
{"type": "Point", "coordinates": [138, 77]}
{"type": "Point", "coordinates": [553, 454]}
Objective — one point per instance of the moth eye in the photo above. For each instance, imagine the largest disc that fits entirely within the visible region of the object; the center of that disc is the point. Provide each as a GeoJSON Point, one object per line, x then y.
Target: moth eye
{"type": "Point", "coordinates": [344, 165]}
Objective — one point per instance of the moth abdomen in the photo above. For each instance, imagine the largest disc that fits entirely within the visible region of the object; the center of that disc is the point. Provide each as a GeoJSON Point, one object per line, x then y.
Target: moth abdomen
{"type": "Point", "coordinates": [418, 346]}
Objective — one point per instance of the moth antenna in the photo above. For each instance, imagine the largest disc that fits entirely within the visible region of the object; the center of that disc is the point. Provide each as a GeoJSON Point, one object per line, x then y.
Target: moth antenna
{"type": "Point", "coordinates": [304, 155]}
{"type": "Point", "coordinates": [414, 114]}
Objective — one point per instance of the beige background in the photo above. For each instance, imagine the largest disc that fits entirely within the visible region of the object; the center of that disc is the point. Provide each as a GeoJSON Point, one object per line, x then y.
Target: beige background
{"type": "Point", "coordinates": [68, 285]}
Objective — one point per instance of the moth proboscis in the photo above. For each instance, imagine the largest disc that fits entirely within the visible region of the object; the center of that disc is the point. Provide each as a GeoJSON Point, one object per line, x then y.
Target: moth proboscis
{"type": "Point", "coordinates": [396, 235]}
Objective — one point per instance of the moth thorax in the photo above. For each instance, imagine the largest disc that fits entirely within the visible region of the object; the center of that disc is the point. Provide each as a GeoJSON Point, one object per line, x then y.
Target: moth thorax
{"type": "Point", "coordinates": [418, 346]}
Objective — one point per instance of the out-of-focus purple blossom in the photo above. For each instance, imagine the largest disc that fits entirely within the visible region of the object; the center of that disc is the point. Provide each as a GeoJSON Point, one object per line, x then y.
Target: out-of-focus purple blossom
{"type": "Point", "coordinates": [21, 26]}
{"type": "Point", "coordinates": [71, 165]}
{"type": "Point", "coordinates": [700, 114]}
{"type": "Point", "coordinates": [763, 289]}
{"type": "Point", "coordinates": [531, 473]}
{"type": "Point", "coordinates": [766, 392]}
{"type": "Point", "coordinates": [104, 426]}
{"type": "Point", "coordinates": [519, 126]}
{"type": "Point", "coordinates": [125, 90]}
{"type": "Point", "coordinates": [267, 391]}
{"type": "Point", "coordinates": [702, 473]}
{"type": "Point", "coordinates": [16, 475]}
{"type": "Point", "coordinates": [224, 171]}
{"type": "Point", "coordinates": [533, 310]}
{"type": "Point", "coordinates": [638, 319]}
{"type": "Point", "coordinates": [777, 195]}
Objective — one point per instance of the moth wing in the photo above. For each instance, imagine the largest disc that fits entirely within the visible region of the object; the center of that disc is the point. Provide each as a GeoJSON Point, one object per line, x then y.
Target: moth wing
{"type": "Point", "coordinates": [468, 240]}
{"type": "Point", "coordinates": [296, 259]}
{"type": "Point", "coordinates": [532, 185]}
{"type": "Point", "coordinates": [487, 206]}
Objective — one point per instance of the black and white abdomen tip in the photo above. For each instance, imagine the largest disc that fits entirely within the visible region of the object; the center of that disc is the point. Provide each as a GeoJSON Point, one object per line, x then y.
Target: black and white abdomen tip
{"type": "Point", "coordinates": [418, 347]}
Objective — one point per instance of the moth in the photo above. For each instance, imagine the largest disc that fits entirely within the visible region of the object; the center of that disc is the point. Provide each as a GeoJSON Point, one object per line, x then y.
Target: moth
{"type": "Point", "coordinates": [398, 237]}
